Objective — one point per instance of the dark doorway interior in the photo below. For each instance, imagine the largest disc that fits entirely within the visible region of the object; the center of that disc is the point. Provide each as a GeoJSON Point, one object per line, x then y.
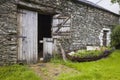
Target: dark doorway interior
{"type": "Point", "coordinates": [44, 31]}
{"type": "Point", "coordinates": [105, 37]}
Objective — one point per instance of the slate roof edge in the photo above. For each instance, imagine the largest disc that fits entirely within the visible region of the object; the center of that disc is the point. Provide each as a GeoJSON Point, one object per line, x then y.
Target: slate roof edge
{"type": "Point", "coordinates": [93, 5]}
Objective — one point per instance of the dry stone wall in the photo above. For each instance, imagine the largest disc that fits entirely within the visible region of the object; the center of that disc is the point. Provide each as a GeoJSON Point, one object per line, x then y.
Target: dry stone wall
{"type": "Point", "coordinates": [8, 31]}
{"type": "Point", "coordinates": [86, 25]}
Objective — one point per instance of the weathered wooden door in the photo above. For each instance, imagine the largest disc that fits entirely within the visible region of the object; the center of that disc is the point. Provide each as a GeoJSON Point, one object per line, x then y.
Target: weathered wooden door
{"type": "Point", "coordinates": [47, 48]}
{"type": "Point", "coordinates": [28, 36]}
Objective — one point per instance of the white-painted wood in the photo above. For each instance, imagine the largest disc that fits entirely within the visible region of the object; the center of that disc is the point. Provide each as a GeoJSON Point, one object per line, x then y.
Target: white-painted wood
{"type": "Point", "coordinates": [64, 20]}
{"type": "Point", "coordinates": [28, 36]}
{"type": "Point", "coordinates": [92, 47]}
{"type": "Point", "coordinates": [63, 29]}
{"type": "Point", "coordinates": [47, 47]}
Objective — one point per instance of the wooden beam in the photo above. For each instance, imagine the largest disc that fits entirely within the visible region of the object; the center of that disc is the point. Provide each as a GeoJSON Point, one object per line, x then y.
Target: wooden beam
{"type": "Point", "coordinates": [37, 7]}
{"type": "Point", "coordinates": [63, 52]}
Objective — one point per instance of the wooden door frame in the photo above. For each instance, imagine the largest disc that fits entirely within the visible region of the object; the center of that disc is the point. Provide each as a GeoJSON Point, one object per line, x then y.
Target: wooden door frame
{"type": "Point", "coordinates": [108, 36]}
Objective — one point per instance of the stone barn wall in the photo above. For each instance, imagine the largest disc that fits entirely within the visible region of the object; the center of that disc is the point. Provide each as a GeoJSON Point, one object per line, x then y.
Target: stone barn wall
{"type": "Point", "coordinates": [85, 27]}
{"type": "Point", "coordinates": [9, 29]}
{"type": "Point", "coordinates": [8, 32]}
{"type": "Point", "coordinates": [87, 23]}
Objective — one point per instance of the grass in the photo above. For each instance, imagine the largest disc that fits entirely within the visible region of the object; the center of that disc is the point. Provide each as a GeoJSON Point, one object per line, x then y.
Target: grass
{"type": "Point", "coordinates": [17, 72]}
{"type": "Point", "coordinates": [105, 69]}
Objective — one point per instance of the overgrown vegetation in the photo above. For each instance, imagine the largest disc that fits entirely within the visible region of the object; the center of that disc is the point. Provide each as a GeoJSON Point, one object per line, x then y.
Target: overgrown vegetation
{"type": "Point", "coordinates": [105, 69]}
{"type": "Point", "coordinates": [17, 72]}
{"type": "Point", "coordinates": [86, 53]}
{"type": "Point", "coordinates": [115, 37]}
{"type": "Point", "coordinates": [116, 1]}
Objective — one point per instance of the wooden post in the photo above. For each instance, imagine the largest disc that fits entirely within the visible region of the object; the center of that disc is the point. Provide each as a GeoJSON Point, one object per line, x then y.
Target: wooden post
{"type": "Point", "coordinates": [63, 52]}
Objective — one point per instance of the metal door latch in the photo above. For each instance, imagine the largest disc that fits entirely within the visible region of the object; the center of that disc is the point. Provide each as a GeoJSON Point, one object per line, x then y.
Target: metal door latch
{"type": "Point", "coordinates": [23, 37]}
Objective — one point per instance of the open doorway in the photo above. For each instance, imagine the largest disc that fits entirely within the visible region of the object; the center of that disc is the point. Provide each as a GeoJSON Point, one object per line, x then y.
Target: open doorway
{"type": "Point", "coordinates": [44, 31]}
{"type": "Point", "coordinates": [105, 32]}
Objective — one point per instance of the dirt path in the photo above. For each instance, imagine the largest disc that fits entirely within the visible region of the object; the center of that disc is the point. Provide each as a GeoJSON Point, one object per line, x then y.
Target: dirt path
{"type": "Point", "coordinates": [49, 71]}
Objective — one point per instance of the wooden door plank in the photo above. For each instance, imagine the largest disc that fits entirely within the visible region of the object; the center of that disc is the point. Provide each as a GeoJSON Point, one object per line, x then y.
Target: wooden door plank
{"type": "Point", "coordinates": [28, 44]}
